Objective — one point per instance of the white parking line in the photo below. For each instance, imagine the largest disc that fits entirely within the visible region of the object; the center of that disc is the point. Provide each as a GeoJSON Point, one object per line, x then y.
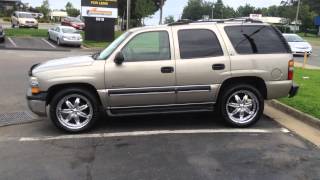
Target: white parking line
{"type": "Point", "coordinates": [48, 43]}
{"type": "Point", "coordinates": [149, 133]}
{"type": "Point", "coordinates": [12, 42]}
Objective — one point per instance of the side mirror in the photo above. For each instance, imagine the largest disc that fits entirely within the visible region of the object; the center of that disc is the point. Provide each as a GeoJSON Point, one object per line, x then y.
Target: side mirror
{"type": "Point", "coordinates": [119, 58]}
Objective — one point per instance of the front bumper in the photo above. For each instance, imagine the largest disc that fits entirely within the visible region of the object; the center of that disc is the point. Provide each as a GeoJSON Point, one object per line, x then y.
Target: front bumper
{"type": "Point", "coordinates": [294, 90]}
{"type": "Point", "coordinates": [29, 25]}
{"type": "Point", "coordinates": [37, 103]}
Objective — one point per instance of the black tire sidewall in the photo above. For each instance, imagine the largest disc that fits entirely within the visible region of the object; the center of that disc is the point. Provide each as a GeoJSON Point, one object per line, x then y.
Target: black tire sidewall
{"type": "Point", "coordinates": [90, 96]}
{"type": "Point", "coordinates": [228, 92]}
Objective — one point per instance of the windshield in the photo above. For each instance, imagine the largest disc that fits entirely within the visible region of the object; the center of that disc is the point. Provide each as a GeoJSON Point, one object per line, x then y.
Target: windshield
{"type": "Point", "coordinates": [25, 15]}
{"type": "Point", "coordinates": [106, 52]}
{"type": "Point", "coordinates": [293, 38]}
{"type": "Point", "coordinates": [75, 20]}
{"type": "Point", "coordinates": [69, 30]}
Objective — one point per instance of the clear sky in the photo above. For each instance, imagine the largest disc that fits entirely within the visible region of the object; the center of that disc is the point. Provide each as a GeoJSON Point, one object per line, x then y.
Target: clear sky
{"type": "Point", "coordinates": [172, 7]}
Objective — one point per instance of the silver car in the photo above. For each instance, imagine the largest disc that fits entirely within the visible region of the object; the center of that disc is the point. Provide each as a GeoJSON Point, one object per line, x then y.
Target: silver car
{"type": "Point", "coordinates": [231, 67]}
{"type": "Point", "coordinates": [65, 35]}
{"type": "Point", "coordinates": [298, 45]}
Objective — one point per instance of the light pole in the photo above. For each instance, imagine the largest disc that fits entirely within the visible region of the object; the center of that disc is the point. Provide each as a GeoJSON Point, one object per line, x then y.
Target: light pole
{"type": "Point", "coordinates": [212, 9]}
{"type": "Point", "coordinates": [161, 6]}
{"type": "Point", "coordinates": [128, 13]}
{"type": "Point", "coordinates": [297, 16]}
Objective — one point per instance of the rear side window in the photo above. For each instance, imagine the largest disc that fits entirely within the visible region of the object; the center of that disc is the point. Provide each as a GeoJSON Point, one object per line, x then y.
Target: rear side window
{"type": "Point", "coordinates": [198, 43]}
{"type": "Point", "coordinates": [256, 40]}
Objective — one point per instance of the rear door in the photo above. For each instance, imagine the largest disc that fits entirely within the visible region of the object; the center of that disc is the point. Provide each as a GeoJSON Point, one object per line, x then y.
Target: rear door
{"type": "Point", "coordinates": [202, 63]}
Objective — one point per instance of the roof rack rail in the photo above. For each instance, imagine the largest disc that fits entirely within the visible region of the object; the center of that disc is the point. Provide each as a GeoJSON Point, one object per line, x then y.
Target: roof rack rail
{"type": "Point", "coordinates": [188, 21]}
{"type": "Point", "coordinates": [181, 22]}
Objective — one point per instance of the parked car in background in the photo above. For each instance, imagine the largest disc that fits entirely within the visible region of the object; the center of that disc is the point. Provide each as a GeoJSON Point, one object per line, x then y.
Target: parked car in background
{"type": "Point", "coordinates": [73, 22]}
{"type": "Point", "coordinates": [2, 34]}
{"type": "Point", "coordinates": [23, 19]}
{"type": "Point", "coordinates": [181, 67]}
{"type": "Point", "coordinates": [297, 44]}
{"type": "Point", "coordinates": [65, 35]}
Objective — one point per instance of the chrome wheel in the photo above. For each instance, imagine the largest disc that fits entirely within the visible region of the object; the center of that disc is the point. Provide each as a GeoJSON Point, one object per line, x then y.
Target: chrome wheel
{"type": "Point", "coordinates": [242, 106]}
{"type": "Point", "coordinates": [74, 111]}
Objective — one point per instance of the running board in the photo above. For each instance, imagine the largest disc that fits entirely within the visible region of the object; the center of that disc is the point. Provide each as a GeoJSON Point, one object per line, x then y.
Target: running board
{"type": "Point", "coordinates": [162, 109]}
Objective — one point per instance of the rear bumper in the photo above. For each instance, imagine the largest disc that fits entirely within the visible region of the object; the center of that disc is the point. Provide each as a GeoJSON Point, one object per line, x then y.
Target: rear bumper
{"type": "Point", "coordinates": [71, 42]}
{"type": "Point", "coordinates": [294, 90]}
{"type": "Point", "coordinates": [279, 89]}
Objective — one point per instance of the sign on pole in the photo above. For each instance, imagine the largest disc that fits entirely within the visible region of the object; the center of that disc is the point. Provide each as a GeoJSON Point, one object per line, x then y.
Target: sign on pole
{"type": "Point", "coordinates": [99, 8]}
{"type": "Point", "coordinates": [99, 18]}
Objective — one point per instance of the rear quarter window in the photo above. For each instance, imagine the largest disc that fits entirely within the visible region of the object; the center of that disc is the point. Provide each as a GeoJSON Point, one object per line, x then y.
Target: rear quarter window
{"type": "Point", "coordinates": [256, 39]}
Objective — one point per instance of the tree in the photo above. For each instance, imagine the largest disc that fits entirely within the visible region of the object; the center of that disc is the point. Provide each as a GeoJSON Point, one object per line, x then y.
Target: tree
{"type": "Point", "coordinates": [71, 11]}
{"type": "Point", "coordinates": [194, 10]}
{"type": "Point", "coordinates": [44, 9]}
{"type": "Point", "coordinates": [168, 20]}
{"type": "Point", "coordinates": [244, 11]}
{"type": "Point", "coordinates": [136, 16]}
{"type": "Point", "coordinates": [143, 8]}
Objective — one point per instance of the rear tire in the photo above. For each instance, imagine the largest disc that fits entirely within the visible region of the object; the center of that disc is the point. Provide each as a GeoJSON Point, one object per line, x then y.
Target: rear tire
{"type": "Point", "coordinates": [74, 110]}
{"type": "Point", "coordinates": [241, 105]}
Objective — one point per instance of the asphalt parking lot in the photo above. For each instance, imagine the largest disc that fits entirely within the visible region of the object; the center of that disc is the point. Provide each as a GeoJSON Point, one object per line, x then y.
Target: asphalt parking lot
{"type": "Point", "coordinates": [34, 44]}
{"type": "Point", "coordinates": [314, 59]}
{"type": "Point", "coordinates": [182, 146]}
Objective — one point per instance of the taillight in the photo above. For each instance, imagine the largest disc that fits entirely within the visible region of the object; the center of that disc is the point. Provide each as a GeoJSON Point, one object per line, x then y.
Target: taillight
{"type": "Point", "coordinates": [290, 69]}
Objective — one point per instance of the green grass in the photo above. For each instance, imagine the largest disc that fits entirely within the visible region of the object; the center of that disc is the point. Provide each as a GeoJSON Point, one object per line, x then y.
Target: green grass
{"type": "Point", "coordinates": [26, 32]}
{"type": "Point", "coordinates": [95, 44]}
{"type": "Point", "coordinates": [311, 38]}
{"type": "Point", "coordinates": [308, 98]}
{"type": "Point", "coordinates": [99, 44]}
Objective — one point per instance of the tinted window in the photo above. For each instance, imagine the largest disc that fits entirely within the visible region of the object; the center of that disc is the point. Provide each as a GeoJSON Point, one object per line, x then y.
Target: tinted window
{"type": "Point", "coordinates": [198, 43]}
{"type": "Point", "coordinates": [147, 47]}
{"type": "Point", "coordinates": [256, 39]}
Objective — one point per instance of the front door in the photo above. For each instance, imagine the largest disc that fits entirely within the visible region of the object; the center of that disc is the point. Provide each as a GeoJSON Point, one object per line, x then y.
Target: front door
{"type": "Point", "coordinates": [147, 75]}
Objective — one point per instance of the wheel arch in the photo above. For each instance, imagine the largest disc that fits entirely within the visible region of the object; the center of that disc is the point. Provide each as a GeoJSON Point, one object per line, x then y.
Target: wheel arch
{"type": "Point", "coordinates": [53, 90]}
{"type": "Point", "coordinates": [255, 81]}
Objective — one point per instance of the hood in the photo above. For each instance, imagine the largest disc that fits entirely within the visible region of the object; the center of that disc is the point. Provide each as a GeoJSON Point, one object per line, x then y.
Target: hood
{"type": "Point", "coordinates": [63, 63]}
{"type": "Point", "coordinates": [300, 45]}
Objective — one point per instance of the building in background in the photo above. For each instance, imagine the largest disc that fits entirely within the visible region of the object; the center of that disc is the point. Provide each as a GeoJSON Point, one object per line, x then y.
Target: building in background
{"type": "Point", "coordinates": [10, 5]}
{"type": "Point", "coordinates": [56, 15]}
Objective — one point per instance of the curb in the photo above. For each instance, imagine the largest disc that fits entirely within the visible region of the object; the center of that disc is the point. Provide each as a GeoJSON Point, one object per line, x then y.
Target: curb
{"type": "Point", "coordinates": [306, 118]}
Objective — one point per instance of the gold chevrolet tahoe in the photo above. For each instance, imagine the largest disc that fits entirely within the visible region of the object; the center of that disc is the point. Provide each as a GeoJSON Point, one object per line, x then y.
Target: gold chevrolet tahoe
{"type": "Point", "coordinates": [229, 66]}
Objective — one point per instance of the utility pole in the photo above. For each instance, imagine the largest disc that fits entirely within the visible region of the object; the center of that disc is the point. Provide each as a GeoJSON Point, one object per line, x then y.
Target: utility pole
{"type": "Point", "coordinates": [297, 16]}
{"type": "Point", "coordinates": [161, 5]}
{"type": "Point", "coordinates": [212, 9]}
{"type": "Point", "coordinates": [128, 13]}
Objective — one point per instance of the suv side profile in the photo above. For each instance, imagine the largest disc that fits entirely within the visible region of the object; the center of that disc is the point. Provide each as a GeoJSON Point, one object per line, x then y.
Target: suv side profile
{"type": "Point", "coordinates": [182, 67]}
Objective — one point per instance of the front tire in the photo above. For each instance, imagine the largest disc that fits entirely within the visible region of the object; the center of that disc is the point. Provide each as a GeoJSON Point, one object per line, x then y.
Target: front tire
{"type": "Point", "coordinates": [241, 105]}
{"type": "Point", "coordinates": [58, 42]}
{"type": "Point", "coordinates": [74, 110]}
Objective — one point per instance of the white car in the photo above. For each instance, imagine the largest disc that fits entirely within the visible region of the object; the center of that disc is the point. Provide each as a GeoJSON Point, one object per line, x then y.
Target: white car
{"type": "Point", "coordinates": [23, 19]}
{"type": "Point", "coordinates": [65, 35]}
{"type": "Point", "coordinates": [297, 44]}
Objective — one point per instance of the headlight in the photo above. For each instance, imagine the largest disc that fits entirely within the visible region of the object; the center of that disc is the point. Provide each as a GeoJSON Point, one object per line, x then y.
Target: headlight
{"type": "Point", "coordinates": [33, 82]}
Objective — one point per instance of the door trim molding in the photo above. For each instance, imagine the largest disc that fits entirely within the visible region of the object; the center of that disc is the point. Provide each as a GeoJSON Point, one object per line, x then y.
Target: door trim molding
{"type": "Point", "coordinates": [154, 90]}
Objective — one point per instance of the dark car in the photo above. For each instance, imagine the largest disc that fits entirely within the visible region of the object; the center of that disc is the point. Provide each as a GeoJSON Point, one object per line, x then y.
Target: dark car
{"type": "Point", "coordinates": [73, 22]}
{"type": "Point", "coordinates": [2, 34]}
